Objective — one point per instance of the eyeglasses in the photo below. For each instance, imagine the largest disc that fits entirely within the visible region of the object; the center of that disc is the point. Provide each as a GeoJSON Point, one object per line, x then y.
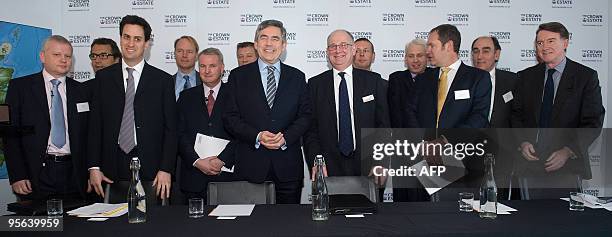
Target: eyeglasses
{"type": "Point", "coordinates": [93, 56]}
{"type": "Point", "coordinates": [336, 47]}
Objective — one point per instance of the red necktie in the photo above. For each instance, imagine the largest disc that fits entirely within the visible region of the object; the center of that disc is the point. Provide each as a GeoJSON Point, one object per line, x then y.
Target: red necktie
{"type": "Point", "coordinates": [211, 102]}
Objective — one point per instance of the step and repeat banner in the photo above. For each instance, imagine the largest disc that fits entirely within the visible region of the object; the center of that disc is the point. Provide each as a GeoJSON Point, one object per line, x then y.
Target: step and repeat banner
{"type": "Point", "coordinates": [389, 24]}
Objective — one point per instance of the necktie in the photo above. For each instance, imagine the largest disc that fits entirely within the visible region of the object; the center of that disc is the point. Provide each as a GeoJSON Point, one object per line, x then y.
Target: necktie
{"type": "Point", "coordinates": [345, 130]}
{"type": "Point", "coordinates": [58, 128]}
{"type": "Point", "coordinates": [126, 133]}
{"type": "Point", "coordinates": [187, 84]}
{"type": "Point", "coordinates": [442, 85]}
{"type": "Point", "coordinates": [547, 100]}
{"type": "Point", "coordinates": [270, 86]}
{"type": "Point", "coordinates": [211, 102]}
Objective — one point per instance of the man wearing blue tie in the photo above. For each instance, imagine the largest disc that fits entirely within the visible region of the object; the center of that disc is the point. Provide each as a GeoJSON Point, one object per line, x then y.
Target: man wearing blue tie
{"type": "Point", "coordinates": [185, 53]}
{"type": "Point", "coordinates": [49, 161]}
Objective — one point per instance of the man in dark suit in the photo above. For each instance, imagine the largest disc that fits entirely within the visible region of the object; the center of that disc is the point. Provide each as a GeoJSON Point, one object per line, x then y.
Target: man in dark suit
{"type": "Point", "coordinates": [268, 112]}
{"type": "Point", "coordinates": [200, 110]}
{"type": "Point", "coordinates": [133, 115]}
{"type": "Point", "coordinates": [486, 52]}
{"type": "Point", "coordinates": [344, 100]}
{"type": "Point", "coordinates": [453, 95]}
{"type": "Point", "coordinates": [557, 93]}
{"type": "Point", "coordinates": [50, 161]}
{"type": "Point", "coordinates": [185, 53]}
{"type": "Point", "coordinates": [400, 82]}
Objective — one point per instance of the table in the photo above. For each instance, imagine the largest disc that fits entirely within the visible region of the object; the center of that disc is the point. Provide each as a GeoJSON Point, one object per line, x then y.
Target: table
{"type": "Point", "coordinates": [534, 218]}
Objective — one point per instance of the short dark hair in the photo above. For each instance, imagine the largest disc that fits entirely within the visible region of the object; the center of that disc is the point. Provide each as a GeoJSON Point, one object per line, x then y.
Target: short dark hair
{"type": "Point", "coordinates": [447, 32]}
{"type": "Point", "coordinates": [366, 40]}
{"type": "Point", "coordinates": [245, 45]}
{"type": "Point", "coordinates": [554, 27]}
{"type": "Point", "coordinates": [106, 41]}
{"type": "Point", "coordinates": [496, 45]}
{"type": "Point", "coordinates": [136, 20]}
{"type": "Point", "coordinates": [268, 23]}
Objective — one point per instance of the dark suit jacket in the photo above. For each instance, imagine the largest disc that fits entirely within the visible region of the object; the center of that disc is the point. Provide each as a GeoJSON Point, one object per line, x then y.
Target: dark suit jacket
{"type": "Point", "coordinates": [248, 114]}
{"type": "Point", "coordinates": [25, 154]}
{"type": "Point", "coordinates": [322, 137]}
{"type": "Point", "coordinates": [193, 119]}
{"type": "Point", "coordinates": [154, 115]}
{"type": "Point", "coordinates": [504, 83]}
{"type": "Point", "coordinates": [400, 84]}
{"type": "Point", "coordinates": [577, 104]}
{"type": "Point", "coordinates": [457, 113]}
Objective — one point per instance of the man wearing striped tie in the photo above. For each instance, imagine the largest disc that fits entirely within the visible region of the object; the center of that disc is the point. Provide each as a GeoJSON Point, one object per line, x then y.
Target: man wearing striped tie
{"type": "Point", "coordinates": [268, 112]}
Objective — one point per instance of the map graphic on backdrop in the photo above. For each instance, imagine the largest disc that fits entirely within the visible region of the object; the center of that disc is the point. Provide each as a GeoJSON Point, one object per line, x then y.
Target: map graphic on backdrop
{"type": "Point", "coordinates": [19, 49]}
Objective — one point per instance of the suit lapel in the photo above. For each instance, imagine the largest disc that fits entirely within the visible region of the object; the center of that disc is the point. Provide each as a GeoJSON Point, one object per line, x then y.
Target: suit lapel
{"type": "Point", "coordinates": [497, 95]}
{"type": "Point", "coordinates": [253, 69]}
{"type": "Point", "coordinates": [39, 91]}
{"type": "Point", "coordinates": [282, 83]}
{"type": "Point", "coordinates": [118, 79]}
{"type": "Point", "coordinates": [565, 88]}
{"type": "Point", "coordinates": [328, 93]}
{"type": "Point", "coordinates": [358, 90]}
{"type": "Point", "coordinates": [449, 94]}
{"type": "Point", "coordinates": [216, 105]}
{"type": "Point", "coordinates": [538, 86]}
{"type": "Point", "coordinates": [71, 100]}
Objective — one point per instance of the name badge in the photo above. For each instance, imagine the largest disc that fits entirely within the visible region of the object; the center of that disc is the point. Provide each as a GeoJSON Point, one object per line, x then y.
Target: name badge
{"type": "Point", "coordinates": [83, 107]}
{"type": "Point", "coordinates": [508, 97]}
{"type": "Point", "coordinates": [462, 94]}
{"type": "Point", "coordinates": [368, 98]}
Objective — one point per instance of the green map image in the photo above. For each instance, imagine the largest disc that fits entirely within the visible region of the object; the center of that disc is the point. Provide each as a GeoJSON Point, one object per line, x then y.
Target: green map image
{"type": "Point", "coordinates": [20, 46]}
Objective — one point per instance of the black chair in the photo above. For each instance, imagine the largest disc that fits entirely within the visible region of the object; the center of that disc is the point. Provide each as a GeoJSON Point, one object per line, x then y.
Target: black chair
{"type": "Point", "coordinates": [117, 193]}
{"type": "Point", "coordinates": [352, 185]}
{"type": "Point", "coordinates": [241, 192]}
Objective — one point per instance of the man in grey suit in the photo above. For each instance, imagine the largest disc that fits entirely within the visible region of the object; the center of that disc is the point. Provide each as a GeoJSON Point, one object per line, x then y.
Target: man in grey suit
{"type": "Point", "coordinates": [185, 53]}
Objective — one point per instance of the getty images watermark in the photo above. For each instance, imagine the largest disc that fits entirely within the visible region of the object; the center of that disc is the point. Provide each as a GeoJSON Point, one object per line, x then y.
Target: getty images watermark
{"type": "Point", "coordinates": [434, 152]}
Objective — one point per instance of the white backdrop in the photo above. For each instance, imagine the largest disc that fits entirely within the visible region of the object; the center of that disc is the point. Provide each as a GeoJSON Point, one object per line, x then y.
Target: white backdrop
{"type": "Point", "coordinates": [389, 24]}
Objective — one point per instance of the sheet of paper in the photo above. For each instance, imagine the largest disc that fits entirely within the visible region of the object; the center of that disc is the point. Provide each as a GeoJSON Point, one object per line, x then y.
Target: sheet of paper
{"type": "Point", "coordinates": [226, 217]}
{"type": "Point", "coordinates": [501, 208]}
{"type": "Point", "coordinates": [607, 206]}
{"type": "Point", "coordinates": [232, 210]}
{"type": "Point", "coordinates": [355, 216]}
{"type": "Point", "coordinates": [207, 146]}
{"type": "Point", "coordinates": [102, 210]}
{"type": "Point", "coordinates": [454, 171]}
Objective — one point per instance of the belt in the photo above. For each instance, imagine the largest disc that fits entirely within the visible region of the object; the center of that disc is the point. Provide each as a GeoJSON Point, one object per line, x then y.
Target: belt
{"type": "Point", "coordinates": [59, 158]}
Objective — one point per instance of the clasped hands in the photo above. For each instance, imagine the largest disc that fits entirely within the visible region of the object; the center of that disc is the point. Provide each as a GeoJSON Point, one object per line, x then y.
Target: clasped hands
{"type": "Point", "coordinates": [271, 141]}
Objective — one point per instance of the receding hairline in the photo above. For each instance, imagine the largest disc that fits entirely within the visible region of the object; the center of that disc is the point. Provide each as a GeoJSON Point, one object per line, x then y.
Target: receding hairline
{"type": "Point", "coordinates": [350, 36]}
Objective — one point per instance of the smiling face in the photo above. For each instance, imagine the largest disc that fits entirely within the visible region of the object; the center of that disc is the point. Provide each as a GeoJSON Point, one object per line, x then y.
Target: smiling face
{"type": "Point", "coordinates": [416, 58]}
{"type": "Point", "coordinates": [56, 58]}
{"type": "Point", "coordinates": [484, 55]}
{"type": "Point", "coordinates": [340, 50]}
{"type": "Point", "coordinates": [270, 44]}
{"type": "Point", "coordinates": [211, 69]}
{"type": "Point", "coordinates": [246, 55]}
{"type": "Point", "coordinates": [133, 44]}
{"type": "Point", "coordinates": [550, 47]}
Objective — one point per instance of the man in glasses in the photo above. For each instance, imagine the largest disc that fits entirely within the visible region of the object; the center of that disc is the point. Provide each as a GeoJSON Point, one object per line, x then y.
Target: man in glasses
{"type": "Point", "coordinates": [103, 53]}
{"type": "Point", "coordinates": [343, 100]}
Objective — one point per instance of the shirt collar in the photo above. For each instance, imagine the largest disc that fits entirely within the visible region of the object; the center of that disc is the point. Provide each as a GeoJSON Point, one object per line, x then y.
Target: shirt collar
{"type": "Point", "coordinates": [192, 74]}
{"type": "Point", "coordinates": [492, 73]}
{"type": "Point", "coordinates": [138, 67]}
{"type": "Point", "coordinates": [215, 89]}
{"type": "Point", "coordinates": [455, 65]}
{"type": "Point", "coordinates": [262, 65]}
{"type": "Point", "coordinates": [561, 66]}
{"type": "Point", "coordinates": [348, 71]}
{"type": "Point", "coordinates": [48, 77]}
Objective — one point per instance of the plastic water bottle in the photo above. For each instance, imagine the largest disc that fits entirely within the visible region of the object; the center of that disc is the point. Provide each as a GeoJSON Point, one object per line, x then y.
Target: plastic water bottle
{"type": "Point", "coordinates": [320, 198]}
{"type": "Point", "coordinates": [137, 205]}
{"type": "Point", "coordinates": [488, 191]}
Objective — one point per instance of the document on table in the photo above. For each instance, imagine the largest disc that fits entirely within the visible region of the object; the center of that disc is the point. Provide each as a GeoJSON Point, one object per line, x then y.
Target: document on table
{"type": "Point", "coordinates": [207, 146]}
{"type": "Point", "coordinates": [590, 201]}
{"type": "Point", "coordinates": [232, 210]}
{"type": "Point", "coordinates": [454, 171]}
{"type": "Point", "coordinates": [501, 208]}
{"type": "Point", "coordinates": [100, 210]}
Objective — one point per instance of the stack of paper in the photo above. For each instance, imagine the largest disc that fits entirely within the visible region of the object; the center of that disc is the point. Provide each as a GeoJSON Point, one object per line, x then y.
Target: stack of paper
{"type": "Point", "coordinates": [232, 210]}
{"type": "Point", "coordinates": [207, 146]}
{"type": "Point", "coordinates": [590, 201]}
{"type": "Point", "coordinates": [100, 210]}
